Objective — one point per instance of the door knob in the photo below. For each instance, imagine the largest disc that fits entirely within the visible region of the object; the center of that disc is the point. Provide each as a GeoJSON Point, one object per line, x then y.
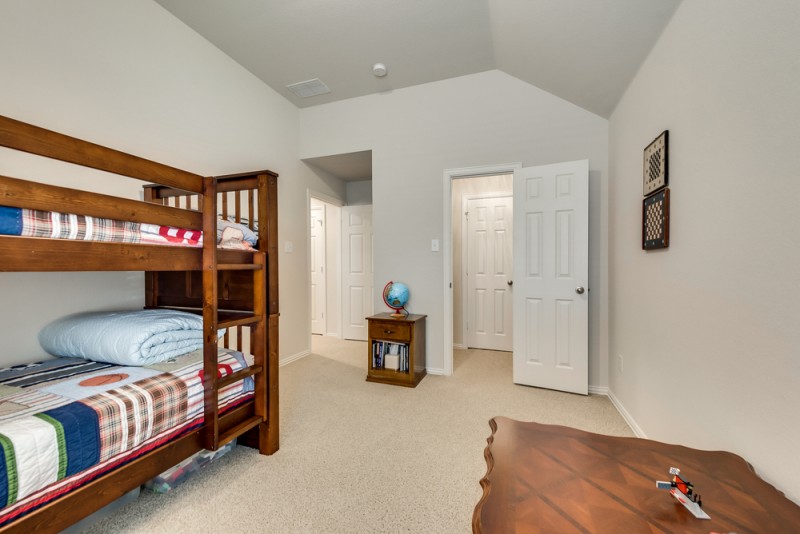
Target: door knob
{"type": "Point", "coordinates": [579, 290]}
{"type": "Point", "coordinates": [510, 282]}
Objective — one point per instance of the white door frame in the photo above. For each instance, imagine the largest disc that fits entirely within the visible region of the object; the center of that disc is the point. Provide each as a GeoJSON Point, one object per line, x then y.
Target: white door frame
{"type": "Point", "coordinates": [447, 244]}
{"type": "Point", "coordinates": [330, 200]}
{"type": "Point", "coordinates": [464, 290]}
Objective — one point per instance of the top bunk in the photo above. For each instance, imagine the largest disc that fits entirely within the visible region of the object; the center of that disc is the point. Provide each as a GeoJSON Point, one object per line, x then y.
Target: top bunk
{"type": "Point", "coordinates": [181, 201]}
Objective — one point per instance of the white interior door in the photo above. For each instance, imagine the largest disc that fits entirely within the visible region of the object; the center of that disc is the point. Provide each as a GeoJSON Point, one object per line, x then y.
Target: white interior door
{"type": "Point", "coordinates": [318, 286]}
{"type": "Point", "coordinates": [489, 273]}
{"type": "Point", "coordinates": [551, 266]}
{"type": "Point", "coordinates": [356, 271]}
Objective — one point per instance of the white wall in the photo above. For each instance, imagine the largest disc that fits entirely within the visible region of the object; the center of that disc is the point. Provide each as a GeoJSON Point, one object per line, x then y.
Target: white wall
{"type": "Point", "coordinates": [711, 323]}
{"type": "Point", "coordinates": [417, 132]}
{"type": "Point", "coordinates": [462, 187]}
{"type": "Point", "coordinates": [128, 75]}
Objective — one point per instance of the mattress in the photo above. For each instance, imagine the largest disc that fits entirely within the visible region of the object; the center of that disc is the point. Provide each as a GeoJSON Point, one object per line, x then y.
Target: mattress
{"type": "Point", "coordinates": [66, 421]}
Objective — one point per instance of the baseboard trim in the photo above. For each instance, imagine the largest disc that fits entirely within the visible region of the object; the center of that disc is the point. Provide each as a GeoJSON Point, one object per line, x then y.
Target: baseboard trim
{"type": "Point", "coordinates": [598, 390]}
{"type": "Point", "coordinates": [434, 371]}
{"type": "Point", "coordinates": [459, 346]}
{"type": "Point", "coordinates": [627, 416]}
{"type": "Point", "coordinates": [293, 358]}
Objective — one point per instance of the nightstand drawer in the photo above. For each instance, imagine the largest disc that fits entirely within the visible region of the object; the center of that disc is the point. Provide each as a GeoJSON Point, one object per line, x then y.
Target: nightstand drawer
{"type": "Point", "coordinates": [391, 331]}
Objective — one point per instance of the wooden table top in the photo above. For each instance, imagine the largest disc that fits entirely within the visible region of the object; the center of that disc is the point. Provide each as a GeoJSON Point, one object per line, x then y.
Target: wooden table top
{"type": "Point", "coordinates": [555, 479]}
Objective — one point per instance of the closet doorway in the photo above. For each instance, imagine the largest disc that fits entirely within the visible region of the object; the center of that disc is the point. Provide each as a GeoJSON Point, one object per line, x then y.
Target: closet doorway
{"type": "Point", "coordinates": [482, 223]}
{"type": "Point", "coordinates": [550, 298]}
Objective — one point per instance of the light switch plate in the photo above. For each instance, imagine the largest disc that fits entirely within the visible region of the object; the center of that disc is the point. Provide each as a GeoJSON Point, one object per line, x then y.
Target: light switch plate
{"type": "Point", "coordinates": [435, 245]}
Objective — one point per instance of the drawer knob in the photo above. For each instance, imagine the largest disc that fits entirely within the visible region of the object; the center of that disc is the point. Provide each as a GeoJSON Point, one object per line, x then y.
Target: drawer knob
{"type": "Point", "coordinates": [388, 331]}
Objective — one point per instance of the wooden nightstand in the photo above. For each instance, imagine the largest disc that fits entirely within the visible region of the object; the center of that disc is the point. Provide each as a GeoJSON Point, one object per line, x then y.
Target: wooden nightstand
{"type": "Point", "coordinates": [396, 339]}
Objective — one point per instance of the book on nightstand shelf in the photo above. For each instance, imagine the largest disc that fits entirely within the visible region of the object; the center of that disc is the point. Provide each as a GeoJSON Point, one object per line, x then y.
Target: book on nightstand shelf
{"type": "Point", "coordinates": [390, 355]}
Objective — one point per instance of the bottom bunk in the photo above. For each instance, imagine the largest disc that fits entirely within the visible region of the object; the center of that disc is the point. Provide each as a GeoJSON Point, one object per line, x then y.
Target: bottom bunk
{"type": "Point", "coordinates": [71, 423]}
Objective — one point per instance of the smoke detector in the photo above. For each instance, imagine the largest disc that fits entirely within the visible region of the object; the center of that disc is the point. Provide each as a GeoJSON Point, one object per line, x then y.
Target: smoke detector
{"type": "Point", "coordinates": [309, 88]}
{"type": "Point", "coordinates": [379, 70]}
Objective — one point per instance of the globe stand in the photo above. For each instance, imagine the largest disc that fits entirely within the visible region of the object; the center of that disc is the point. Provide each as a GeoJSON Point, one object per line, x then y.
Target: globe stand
{"type": "Point", "coordinates": [397, 314]}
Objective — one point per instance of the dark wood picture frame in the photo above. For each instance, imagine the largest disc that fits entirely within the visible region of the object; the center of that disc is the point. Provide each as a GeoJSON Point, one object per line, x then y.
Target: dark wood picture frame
{"type": "Point", "coordinates": [655, 220]}
{"type": "Point", "coordinates": [655, 172]}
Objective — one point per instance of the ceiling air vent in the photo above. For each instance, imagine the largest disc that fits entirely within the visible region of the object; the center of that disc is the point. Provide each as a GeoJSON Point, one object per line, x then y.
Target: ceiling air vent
{"type": "Point", "coordinates": [309, 88]}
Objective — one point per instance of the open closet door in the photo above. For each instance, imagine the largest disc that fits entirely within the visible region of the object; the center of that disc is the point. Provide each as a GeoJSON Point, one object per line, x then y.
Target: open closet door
{"type": "Point", "coordinates": [551, 274]}
{"type": "Point", "coordinates": [357, 289]}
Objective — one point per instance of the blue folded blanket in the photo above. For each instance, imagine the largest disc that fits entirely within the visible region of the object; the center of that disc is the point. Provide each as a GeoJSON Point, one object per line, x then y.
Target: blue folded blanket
{"type": "Point", "coordinates": [140, 337]}
{"type": "Point", "coordinates": [10, 221]}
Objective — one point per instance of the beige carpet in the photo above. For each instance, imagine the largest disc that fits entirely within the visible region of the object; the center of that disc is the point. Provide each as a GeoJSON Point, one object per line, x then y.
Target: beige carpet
{"type": "Point", "coordinates": [363, 457]}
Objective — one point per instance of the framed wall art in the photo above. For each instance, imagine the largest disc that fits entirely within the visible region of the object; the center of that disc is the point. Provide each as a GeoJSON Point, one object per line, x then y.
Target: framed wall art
{"type": "Point", "coordinates": [655, 220]}
{"type": "Point", "coordinates": [656, 166]}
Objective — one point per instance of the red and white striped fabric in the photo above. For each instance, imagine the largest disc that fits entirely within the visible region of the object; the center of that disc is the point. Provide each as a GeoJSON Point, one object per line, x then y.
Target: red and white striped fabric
{"type": "Point", "coordinates": [167, 235]}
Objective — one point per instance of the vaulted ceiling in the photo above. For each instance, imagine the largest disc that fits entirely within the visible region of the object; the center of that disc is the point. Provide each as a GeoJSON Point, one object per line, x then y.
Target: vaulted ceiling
{"type": "Point", "coordinates": [584, 51]}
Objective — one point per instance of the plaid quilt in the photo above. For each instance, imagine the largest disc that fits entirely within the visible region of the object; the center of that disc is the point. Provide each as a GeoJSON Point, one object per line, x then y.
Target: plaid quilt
{"type": "Point", "coordinates": [51, 443]}
{"type": "Point", "coordinates": [54, 225]}
{"type": "Point", "coordinates": [130, 415]}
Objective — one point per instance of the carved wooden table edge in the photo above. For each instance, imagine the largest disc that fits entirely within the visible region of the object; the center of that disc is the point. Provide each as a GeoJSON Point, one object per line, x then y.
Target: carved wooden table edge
{"type": "Point", "coordinates": [778, 508]}
{"type": "Point", "coordinates": [484, 482]}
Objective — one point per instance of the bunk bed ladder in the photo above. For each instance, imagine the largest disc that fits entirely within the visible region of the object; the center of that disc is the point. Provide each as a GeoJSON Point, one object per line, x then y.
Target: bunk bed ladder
{"type": "Point", "coordinates": [214, 320]}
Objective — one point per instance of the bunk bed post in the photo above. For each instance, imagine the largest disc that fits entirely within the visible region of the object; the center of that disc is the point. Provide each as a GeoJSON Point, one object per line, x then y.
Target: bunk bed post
{"type": "Point", "coordinates": [269, 234]}
{"type": "Point", "coordinates": [210, 319]}
{"type": "Point", "coordinates": [258, 337]}
{"type": "Point", "coordinates": [266, 436]}
{"type": "Point", "coordinates": [151, 277]}
{"type": "Point", "coordinates": [269, 439]}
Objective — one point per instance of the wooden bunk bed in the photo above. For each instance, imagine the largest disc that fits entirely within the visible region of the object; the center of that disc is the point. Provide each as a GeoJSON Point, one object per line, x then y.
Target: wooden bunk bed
{"type": "Point", "coordinates": [232, 290]}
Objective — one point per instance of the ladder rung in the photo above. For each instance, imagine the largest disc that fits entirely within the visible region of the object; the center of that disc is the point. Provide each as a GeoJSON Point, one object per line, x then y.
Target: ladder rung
{"type": "Point", "coordinates": [241, 321]}
{"type": "Point", "coordinates": [238, 430]}
{"type": "Point", "coordinates": [239, 266]}
{"type": "Point", "coordinates": [226, 381]}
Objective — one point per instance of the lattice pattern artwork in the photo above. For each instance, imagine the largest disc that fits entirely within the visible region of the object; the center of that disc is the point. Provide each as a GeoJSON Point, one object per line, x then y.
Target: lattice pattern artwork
{"type": "Point", "coordinates": [655, 220]}
{"type": "Point", "coordinates": [655, 164]}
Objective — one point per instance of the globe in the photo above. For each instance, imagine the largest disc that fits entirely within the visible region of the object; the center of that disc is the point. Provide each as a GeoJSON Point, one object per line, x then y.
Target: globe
{"type": "Point", "coordinates": [395, 295]}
